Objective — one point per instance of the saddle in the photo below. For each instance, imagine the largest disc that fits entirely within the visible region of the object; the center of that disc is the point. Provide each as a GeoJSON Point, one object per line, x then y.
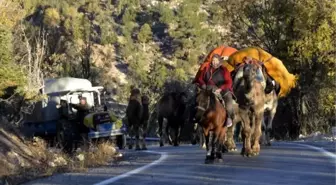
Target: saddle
{"type": "Point", "coordinates": [219, 97]}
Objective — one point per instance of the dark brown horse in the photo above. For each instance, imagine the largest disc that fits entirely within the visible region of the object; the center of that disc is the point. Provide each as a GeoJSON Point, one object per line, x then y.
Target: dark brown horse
{"type": "Point", "coordinates": [210, 115]}
{"type": "Point", "coordinates": [249, 89]}
{"type": "Point", "coordinates": [172, 106]}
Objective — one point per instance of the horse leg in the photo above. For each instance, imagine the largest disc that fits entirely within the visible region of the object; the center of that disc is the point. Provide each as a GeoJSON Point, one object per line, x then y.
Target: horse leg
{"type": "Point", "coordinates": [203, 144]}
{"type": "Point", "coordinates": [210, 158]}
{"type": "Point", "coordinates": [160, 120]}
{"type": "Point", "coordinates": [213, 144]}
{"type": "Point", "coordinates": [201, 135]}
{"type": "Point", "coordinates": [208, 139]}
{"type": "Point", "coordinates": [194, 134]}
{"type": "Point", "coordinates": [224, 148]}
{"type": "Point", "coordinates": [220, 147]}
{"type": "Point", "coordinates": [257, 133]}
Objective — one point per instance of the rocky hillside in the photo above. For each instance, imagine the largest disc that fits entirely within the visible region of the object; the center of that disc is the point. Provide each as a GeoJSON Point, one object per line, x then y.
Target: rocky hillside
{"type": "Point", "coordinates": [152, 44]}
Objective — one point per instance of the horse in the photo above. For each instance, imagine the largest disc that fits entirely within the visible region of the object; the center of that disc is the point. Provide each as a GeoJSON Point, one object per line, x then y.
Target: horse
{"type": "Point", "coordinates": [137, 117]}
{"type": "Point", "coordinates": [198, 135]}
{"type": "Point", "coordinates": [210, 115]}
{"type": "Point", "coordinates": [249, 90]}
{"type": "Point", "coordinates": [229, 143]}
{"type": "Point", "coordinates": [172, 106]}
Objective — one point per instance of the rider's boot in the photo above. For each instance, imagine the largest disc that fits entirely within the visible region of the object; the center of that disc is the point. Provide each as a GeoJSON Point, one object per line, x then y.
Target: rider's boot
{"type": "Point", "coordinates": [229, 109]}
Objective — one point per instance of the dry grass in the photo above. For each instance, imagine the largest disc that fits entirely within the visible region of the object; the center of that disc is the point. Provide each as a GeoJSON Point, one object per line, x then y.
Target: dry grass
{"type": "Point", "coordinates": [34, 159]}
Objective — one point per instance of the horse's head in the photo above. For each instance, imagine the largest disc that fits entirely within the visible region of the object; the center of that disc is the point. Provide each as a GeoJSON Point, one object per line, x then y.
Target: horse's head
{"type": "Point", "coordinates": [202, 101]}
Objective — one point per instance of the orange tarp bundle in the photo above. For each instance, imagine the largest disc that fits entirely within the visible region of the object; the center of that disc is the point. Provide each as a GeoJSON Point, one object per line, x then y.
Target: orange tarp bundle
{"type": "Point", "coordinates": [223, 51]}
{"type": "Point", "coordinates": [273, 65]}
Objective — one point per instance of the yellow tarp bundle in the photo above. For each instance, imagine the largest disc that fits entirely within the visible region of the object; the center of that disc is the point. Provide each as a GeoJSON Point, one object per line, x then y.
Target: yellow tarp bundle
{"type": "Point", "coordinates": [88, 120]}
{"type": "Point", "coordinates": [273, 65]}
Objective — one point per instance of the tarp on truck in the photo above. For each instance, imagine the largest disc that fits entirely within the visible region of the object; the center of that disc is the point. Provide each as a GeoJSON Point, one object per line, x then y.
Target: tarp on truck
{"type": "Point", "coordinates": [65, 84]}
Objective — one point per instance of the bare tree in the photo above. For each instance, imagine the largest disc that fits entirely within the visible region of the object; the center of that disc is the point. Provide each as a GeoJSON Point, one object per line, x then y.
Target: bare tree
{"type": "Point", "coordinates": [31, 64]}
{"type": "Point", "coordinates": [17, 105]}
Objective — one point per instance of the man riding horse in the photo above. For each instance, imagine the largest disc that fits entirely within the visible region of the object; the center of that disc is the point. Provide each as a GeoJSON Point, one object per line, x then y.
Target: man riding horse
{"type": "Point", "coordinates": [215, 75]}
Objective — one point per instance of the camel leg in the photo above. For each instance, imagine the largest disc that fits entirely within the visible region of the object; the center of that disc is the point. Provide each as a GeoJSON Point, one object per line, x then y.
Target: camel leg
{"type": "Point", "coordinates": [143, 133]}
{"type": "Point", "coordinates": [160, 120]}
{"type": "Point", "coordinates": [263, 140]}
{"type": "Point", "coordinates": [177, 135]}
{"type": "Point", "coordinates": [237, 131]}
{"type": "Point", "coordinates": [246, 133]}
{"type": "Point", "coordinates": [137, 137]}
{"type": "Point", "coordinates": [131, 134]}
{"type": "Point", "coordinates": [194, 134]}
{"type": "Point", "coordinates": [269, 129]}
{"type": "Point", "coordinates": [229, 143]}
{"type": "Point", "coordinates": [257, 134]}
{"type": "Point", "coordinates": [168, 132]}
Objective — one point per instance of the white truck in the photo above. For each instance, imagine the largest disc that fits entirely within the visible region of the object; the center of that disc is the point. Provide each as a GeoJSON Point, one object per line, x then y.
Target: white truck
{"type": "Point", "coordinates": [53, 117]}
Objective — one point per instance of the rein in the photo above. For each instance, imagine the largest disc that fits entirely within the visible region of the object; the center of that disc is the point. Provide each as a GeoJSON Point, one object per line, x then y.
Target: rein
{"type": "Point", "coordinates": [202, 108]}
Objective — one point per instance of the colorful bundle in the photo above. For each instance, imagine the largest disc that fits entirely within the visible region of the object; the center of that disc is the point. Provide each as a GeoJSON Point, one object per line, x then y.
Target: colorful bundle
{"type": "Point", "coordinates": [273, 65]}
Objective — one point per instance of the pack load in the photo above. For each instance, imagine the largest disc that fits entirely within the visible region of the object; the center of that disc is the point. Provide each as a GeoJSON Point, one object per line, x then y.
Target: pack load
{"type": "Point", "coordinates": [274, 67]}
{"type": "Point", "coordinates": [223, 51]}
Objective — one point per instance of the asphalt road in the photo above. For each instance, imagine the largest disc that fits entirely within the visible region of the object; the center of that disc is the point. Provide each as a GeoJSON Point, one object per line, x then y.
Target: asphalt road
{"type": "Point", "coordinates": [283, 164]}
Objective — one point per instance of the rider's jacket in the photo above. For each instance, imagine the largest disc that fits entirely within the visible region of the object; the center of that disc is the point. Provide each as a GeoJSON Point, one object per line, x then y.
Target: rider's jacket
{"type": "Point", "coordinates": [220, 77]}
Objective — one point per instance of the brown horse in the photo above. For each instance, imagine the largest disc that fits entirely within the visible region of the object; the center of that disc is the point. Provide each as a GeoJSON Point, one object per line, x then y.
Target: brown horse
{"type": "Point", "coordinates": [251, 100]}
{"type": "Point", "coordinates": [229, 143]}
{"type": "Point", "coordinates": [172, 106]}
{"type": "Point", "coordinates": [210, 115]}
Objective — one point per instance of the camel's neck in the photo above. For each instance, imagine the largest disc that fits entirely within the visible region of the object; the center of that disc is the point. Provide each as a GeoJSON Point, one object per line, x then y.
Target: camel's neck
{"type": "Point", "coordinates": [145, 106]}
{"type": "Point", "coordinates": [248, 85]}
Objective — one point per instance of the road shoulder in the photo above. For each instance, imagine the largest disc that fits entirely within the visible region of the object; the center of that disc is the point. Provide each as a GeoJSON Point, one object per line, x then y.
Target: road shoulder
{"type": "Point", "coordinates": [130, 161]}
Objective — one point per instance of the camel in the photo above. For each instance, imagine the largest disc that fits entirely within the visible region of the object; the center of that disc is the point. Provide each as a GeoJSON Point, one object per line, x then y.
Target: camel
{"type": "Point", "coordinates": [249, 90]}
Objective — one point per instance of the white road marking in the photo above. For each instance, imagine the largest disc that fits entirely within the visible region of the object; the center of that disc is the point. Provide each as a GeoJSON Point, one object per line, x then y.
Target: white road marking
{"type": "Point", "coordinates": [325, 152]}
{"type": "Point", "coordinates": [164, 156]}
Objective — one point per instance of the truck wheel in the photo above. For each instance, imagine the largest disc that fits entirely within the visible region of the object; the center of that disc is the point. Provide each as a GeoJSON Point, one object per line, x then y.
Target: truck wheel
{"type": "Point", "coordinates": [121, 142]}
